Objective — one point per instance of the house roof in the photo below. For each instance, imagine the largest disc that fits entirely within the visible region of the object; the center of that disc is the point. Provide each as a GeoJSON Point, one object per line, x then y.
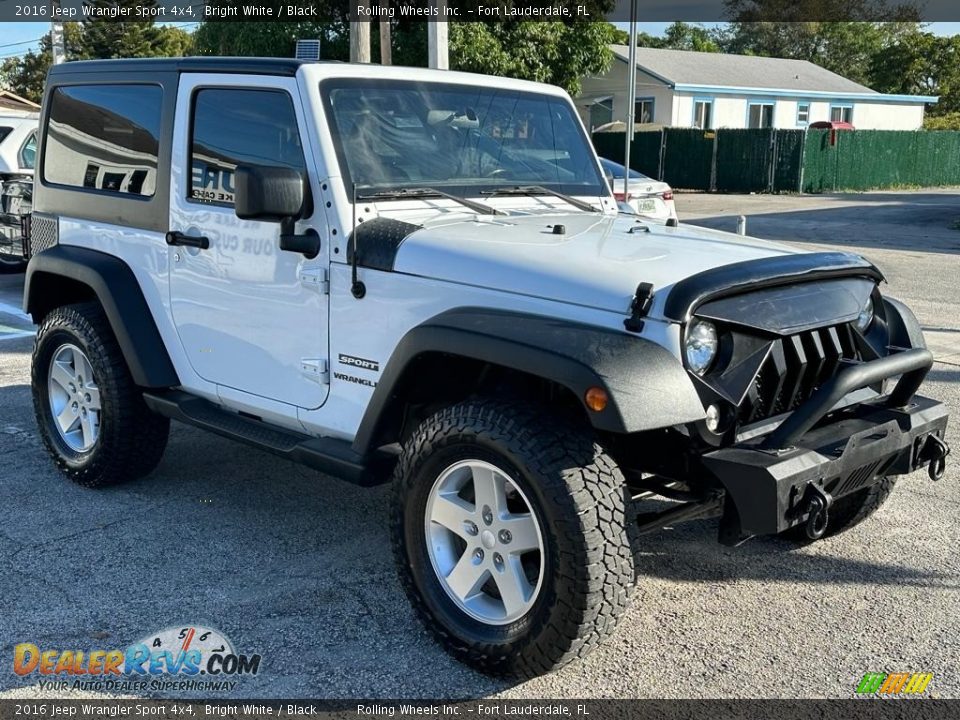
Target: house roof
{"type": "Point", "coordinates": [688, 70]}
{"type": "Point", "coordinates": [10, 101]}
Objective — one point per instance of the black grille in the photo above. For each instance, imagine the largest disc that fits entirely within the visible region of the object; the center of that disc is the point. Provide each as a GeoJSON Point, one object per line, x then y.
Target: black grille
{"type": "Point", "coordinates": [795, 368]}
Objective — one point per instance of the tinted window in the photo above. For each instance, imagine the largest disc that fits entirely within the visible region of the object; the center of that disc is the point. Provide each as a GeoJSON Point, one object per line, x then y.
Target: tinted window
{"type": "Point", "coordinates": [240, 127]}
{"type": "Point", "coordinates": [104, 137]}
{"type": "Point", "coordinates": [463, 139]}
{"type": "Point", "coordinates": [28, 153]}
{"type": "Point", "coordinates": [4, 131]}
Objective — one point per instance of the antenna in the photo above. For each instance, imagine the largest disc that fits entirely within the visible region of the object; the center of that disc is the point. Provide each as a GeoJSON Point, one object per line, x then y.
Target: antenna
{"type": "Point", "coordinates": [357, 288]}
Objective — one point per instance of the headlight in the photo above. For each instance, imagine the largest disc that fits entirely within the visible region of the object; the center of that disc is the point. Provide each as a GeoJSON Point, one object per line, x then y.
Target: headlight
{"type": "Point", "coordinates": [866, 316]}
{"type": "Point", "coordinates": [700, 345]}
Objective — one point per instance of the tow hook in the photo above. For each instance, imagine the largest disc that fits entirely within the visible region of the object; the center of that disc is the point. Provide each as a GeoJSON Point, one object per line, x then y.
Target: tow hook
{"type": "Point", "coordinates": [818, 508]}
{"type": "Point", "coordinates": [935, 450]}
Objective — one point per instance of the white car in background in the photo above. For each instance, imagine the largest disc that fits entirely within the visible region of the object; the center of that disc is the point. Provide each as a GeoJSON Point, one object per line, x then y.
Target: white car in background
{"type": "Point", "coordinates": [645, 196]}
{"type": "Point", "coordinates": [18, 154]}
{"type": "Point", "coordinates": [18, 144]}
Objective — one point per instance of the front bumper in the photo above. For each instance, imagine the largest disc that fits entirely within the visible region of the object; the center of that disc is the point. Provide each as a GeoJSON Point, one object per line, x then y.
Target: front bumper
{"type": "Point", "coordinates": [778, 482]}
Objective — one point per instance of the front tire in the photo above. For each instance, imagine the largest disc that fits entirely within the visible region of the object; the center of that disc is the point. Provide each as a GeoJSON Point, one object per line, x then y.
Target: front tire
{"type": "Point", "coordinates": [510, 534]}
{"type": "Point", "coordinates": [91, 415]}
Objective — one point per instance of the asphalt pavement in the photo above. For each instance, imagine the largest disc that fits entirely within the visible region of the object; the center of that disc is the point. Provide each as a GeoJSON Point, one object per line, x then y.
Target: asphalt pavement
{"type": "Point", "coordinates": [296, 566]}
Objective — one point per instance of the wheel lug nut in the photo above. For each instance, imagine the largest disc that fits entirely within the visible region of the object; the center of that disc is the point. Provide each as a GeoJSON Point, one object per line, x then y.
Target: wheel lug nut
{"type": "Point", "coordinates": [83, 412]}
{"type": "Point", "coordinates": [478, 554]}
{"type": "Point", "coordinates": [470, 527]}
{"type": "Point", "coordinates": [505, 536]}
{"type": "Point", "coordinates": [487, 515]}
{"type": "Point", "coordinates": [86, 398]}
{"type": "Point", "coordinates": [498, 561]}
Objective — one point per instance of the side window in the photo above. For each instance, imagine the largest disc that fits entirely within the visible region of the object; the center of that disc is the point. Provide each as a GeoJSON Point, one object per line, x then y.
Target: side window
{"type": "Point", "coordinates": [104, 137]}
{"type": "Point", "coordinates": [232, 127]}
{"type": "Point", "coordinates": [28, 153]}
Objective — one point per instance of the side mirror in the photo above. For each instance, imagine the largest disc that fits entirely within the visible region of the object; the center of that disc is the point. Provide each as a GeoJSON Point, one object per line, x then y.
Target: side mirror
{"type": "Point", "coordinates": [273, 194]}
{"type": "Point", "coordinates": [276, 194]}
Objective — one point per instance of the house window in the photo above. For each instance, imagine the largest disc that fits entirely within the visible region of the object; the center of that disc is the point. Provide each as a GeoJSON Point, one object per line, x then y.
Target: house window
{"type": "Point", "coordinates": [643, 110]}
{"type": "Point", "coordinates": [601, 112]}
{"type": "Point", "coordinates": [760, 115]}
{"type": "Point", "coordinates": [841, 113]}
{"type": "Point", "coordinates": [702, 114]}
{"type": "Point", "coordinates": [803, 113]}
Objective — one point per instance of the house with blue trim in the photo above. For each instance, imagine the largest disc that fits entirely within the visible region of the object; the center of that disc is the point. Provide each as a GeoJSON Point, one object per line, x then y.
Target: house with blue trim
{"type": "Point", "coordinates": [680, 88]}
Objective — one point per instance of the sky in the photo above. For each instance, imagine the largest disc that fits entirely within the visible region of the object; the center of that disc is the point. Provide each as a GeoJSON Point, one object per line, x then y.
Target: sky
{"type": "Point", "coordinates": [18, 37]}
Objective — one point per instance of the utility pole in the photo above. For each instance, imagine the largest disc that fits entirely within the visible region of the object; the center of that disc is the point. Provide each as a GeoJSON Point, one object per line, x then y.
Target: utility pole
{"type": "Point", "coordinates": [438, 50]}
{"type": "Point", "coordinates": [57, 48]}
{"type": "Point", "coordinates": [631, 95]}
{"type": "Point", "coordinates": [360, 35]}
{"type": "Point", "coordinates": [386, 54]}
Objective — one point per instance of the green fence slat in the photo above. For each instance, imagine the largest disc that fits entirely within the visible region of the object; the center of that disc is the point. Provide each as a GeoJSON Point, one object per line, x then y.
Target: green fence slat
{"type": "Point", "coordinates": [812, 161]}
{"type": "Point", "coordinates": [644, 149]}
{"type": "Point", "coordinates": [688, 158]}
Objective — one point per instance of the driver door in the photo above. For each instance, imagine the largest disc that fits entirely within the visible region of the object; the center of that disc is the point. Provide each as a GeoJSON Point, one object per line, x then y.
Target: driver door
{"type": "Point", "coordinates": [250, 317]}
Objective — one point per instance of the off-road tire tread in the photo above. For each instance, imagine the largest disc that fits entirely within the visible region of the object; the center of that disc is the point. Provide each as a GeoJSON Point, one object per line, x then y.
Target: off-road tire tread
{"type": "Point", "coordinates": [853, 509]}
{"type": "Point", "coordinates": [134, 438]}
{"type": "Point", "coordinates": [595, 572]}
{"type": "Point", "coordinates": [849, 511]}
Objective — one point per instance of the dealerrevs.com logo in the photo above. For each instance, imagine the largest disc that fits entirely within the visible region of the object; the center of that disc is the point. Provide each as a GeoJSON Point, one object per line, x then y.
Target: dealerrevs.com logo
{"type": "Point", "coordinates": [187, 657]}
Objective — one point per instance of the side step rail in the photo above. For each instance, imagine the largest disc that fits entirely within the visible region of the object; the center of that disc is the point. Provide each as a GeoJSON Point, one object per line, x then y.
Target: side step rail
{"type": "Point", "coordinates": [328, 455]}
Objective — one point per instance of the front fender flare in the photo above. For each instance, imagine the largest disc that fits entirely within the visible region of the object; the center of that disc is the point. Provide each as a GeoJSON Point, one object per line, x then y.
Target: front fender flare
{"type": "Point", "coordinates": [647, 385]}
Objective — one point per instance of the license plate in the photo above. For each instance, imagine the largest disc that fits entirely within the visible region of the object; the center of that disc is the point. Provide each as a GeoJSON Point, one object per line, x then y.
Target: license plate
{"type": "Point", "coordinates": [647, 206]}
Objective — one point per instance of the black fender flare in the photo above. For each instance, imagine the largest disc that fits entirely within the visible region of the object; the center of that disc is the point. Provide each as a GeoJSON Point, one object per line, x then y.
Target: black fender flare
{"type": "Point", "coordinates": [903, 328]}
{"type": "Point", "coordinates": [116, 288]}
{"type": "Point", "coordinates": [647, 386]}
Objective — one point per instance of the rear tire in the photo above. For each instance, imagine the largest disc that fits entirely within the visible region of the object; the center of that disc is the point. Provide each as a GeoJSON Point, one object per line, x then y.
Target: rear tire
{"type": "Point", "coordinates": [576, 583]}
{"type": "Point", "coordinates": [113, 437]}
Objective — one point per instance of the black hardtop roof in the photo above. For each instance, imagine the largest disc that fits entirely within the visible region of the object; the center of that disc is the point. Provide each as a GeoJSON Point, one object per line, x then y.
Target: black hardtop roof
{"type": "Point", "coordinates": [252, 65]}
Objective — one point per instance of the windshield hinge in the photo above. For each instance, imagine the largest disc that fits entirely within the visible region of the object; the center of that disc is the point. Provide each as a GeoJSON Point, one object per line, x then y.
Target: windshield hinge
{"type": "Point", "coordinates": [316, 279]}
{"type": "Point", "coordinates": [642, 300]}
{"type": "Point", "coordinates": [315, 370]}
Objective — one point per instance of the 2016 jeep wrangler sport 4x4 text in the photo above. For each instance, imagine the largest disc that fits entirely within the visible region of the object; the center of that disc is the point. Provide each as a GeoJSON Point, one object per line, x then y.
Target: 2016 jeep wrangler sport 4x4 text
{"type": "Point", "coordinates": [365, 269]}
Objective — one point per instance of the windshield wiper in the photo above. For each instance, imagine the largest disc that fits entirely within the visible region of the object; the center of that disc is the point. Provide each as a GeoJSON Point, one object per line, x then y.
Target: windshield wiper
{"type": "Point", "coordinates": [534, 190]}
{"type": "Point", "coordinates": [429, 192]}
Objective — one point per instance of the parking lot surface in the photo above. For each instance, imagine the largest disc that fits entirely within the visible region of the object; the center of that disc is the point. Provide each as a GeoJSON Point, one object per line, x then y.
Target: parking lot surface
{"type": "Point", "coordinates": [297, 567]}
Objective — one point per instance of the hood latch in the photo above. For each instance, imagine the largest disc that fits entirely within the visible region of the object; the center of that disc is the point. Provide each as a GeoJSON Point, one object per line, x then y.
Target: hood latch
{"type": "Point", "coordinates": [642, 300]}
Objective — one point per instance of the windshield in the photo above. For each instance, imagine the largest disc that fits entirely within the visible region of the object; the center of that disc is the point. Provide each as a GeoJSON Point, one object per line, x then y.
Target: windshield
{"type": "Point", "coordinates": [463, 139]}
{"type": "Point", "coordinates": [616, 170]}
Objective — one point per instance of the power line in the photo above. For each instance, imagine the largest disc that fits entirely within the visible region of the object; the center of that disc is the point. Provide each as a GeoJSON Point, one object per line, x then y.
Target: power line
{"type": "Point", "coordinates": [25, 42]}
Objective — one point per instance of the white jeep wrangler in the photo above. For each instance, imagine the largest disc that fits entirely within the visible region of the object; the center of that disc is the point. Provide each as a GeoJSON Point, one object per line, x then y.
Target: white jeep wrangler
{"type": "Point", "coordinates": [366, 268]}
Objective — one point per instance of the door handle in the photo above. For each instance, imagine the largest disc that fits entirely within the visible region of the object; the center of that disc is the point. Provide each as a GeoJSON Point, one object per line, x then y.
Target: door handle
{"type": "Point", "coordinates": [175, 237]}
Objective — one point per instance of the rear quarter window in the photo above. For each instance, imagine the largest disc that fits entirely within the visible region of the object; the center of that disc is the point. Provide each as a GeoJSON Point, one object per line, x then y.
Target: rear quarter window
{"type": "Point", "coordinates": [104, 138]}
{"type": "Point", "coordinates": [4, 131]}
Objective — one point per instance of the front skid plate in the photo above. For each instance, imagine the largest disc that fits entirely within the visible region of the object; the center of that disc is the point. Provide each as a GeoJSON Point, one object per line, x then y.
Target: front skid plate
{"type": "Point", "coordinates": [768, 489]}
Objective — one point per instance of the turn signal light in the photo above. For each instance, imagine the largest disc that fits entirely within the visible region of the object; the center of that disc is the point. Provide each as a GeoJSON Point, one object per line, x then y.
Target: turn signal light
{"type": "Point", "coordinates": [667, 195]}
{"type": "Point", "coordinates": [596, 399]}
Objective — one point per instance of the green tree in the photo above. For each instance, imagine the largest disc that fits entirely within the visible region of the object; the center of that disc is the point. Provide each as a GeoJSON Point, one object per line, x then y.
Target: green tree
{"type": "Point", "coordinates": [678, 36]}
{"type": "Point", "coordinates": [841, 37]}
{"type": "Point", "coordinates": [921, 63]}
{"type": "Point", "coordinates": [551, 52]}
{"type": "Point", "coordinates": [105, 38]}
{"type": "Point", "coordinates": [27, 74]}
